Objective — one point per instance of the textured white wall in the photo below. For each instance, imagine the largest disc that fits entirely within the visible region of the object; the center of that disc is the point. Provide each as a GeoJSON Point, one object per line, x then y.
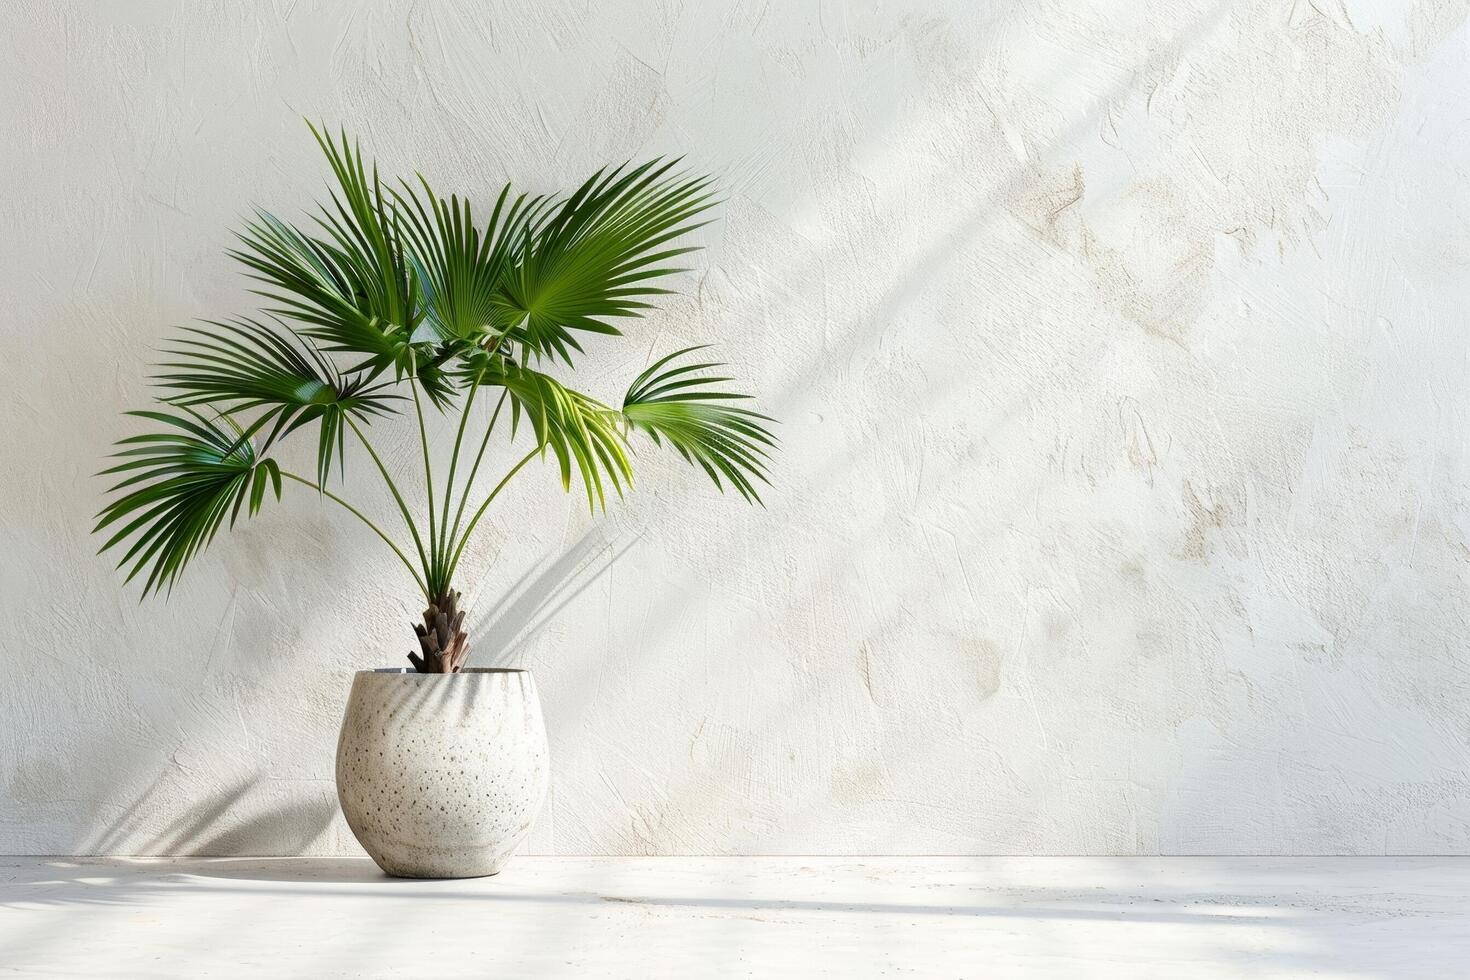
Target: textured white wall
{"type": "Point", "coordinates": [1120, 347]}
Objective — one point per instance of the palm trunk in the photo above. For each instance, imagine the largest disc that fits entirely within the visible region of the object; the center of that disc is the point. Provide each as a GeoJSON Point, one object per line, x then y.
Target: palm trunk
{"type": "Point", "coordinates": [442, 640]}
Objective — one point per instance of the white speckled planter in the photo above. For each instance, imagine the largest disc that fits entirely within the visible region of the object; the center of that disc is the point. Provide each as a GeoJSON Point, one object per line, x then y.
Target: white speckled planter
{"type": "Point", "coordinates": [440, 775]}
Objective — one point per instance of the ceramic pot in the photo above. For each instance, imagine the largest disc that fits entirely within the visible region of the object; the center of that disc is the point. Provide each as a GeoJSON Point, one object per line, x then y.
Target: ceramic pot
{"type": "Point", "coordinates": [441, 775]}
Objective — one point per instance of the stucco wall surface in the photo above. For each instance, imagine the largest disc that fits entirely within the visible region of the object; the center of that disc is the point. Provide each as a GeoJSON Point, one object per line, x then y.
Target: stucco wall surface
{"type": "Point", "coordinates": [1120, 350]}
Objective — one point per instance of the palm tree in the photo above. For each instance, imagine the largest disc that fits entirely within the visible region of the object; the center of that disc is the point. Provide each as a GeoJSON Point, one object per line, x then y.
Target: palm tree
{"type": "Point", "coordinates": [397, 298]}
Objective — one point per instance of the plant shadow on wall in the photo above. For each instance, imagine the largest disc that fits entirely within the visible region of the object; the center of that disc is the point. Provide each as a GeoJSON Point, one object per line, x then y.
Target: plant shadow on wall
{"type": "Point", "coordinates": [506, 624]}
{"type": "Point", "coordinates": [401, 305]}
{"type": "Point", "coordinates": [263, 815]}
{"type": "Point", "coordinates": [214, 826]}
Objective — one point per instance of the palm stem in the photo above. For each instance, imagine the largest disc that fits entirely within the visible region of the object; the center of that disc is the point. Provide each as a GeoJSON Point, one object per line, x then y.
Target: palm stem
{"type": "Point", "coordinates": [454, 562]}
{"type": "Point", "coordinates": [418, 579]}
{"type": "Point", "coordinates": [470, 483]}
{"type": "Point", "coordinates": [418, 410]}
{"type": "Point", "coordinates": [398, 497]}
{"type": "Point", "coordinates": [464, 419]}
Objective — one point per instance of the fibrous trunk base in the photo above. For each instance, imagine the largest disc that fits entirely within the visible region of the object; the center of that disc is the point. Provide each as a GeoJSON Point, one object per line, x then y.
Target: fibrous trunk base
{"type": "Point", "coordinates": [443, 644]}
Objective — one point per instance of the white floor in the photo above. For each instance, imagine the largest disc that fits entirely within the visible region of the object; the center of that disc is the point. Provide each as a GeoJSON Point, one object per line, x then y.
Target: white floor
{"type": "Point", "coordinates": [696, 917]}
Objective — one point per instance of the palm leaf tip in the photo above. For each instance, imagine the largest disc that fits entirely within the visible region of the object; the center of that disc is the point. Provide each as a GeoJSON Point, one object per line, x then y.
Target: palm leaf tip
{"type": "Point", "coordinates": [178, 487]}
{"type": "Point", "coordinates": [688, 410]}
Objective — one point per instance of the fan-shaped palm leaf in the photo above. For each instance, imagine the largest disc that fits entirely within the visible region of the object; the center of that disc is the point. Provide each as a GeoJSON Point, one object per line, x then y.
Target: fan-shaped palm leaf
{"type": "Point", "coordinates": [243, 365]}
{"type": "Point", "coordinates": [675, 405]}
{"type": "Point", "coordinates": [181, 483]}
{"type": "Point", "coordinates": [459, 267]}
{"type": "Point", "coordinates": [593, 258]}
{"type": "Point", "coordinates": [354, 290]}
{"type": "Point", "coordinates": [321, 287]}
{"type": "Point", "coordinates": [367, 231]}
{"type": "Point", "coordinates": [579, 430]}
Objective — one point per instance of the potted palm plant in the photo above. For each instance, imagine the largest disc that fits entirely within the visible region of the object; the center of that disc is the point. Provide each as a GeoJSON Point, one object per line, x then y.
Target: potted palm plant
{"type": "Point", "coordinates": [397, 303]}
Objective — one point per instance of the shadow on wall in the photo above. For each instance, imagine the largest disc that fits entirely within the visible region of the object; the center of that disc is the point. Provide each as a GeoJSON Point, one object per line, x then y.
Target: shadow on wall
{"type": "Point", "coordinates": [502, 626]}
{"type": "Point", "coordinates": [215, 824]}
{"type": "Point", "coordinates": [267, 815]}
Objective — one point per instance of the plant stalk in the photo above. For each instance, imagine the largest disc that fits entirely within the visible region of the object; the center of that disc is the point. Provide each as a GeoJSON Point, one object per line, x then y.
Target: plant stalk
{"type": "Point", "coordinates": [470, 483]}
{"type": "Point", "coordinates": [454, 563]}
{"type": "Point", "coordinates": [393, 489]}
{"type": "Point", "coordinates": [418, 580]}
{"type": "Point", "coordinates": [429, 486]}
{"type": "Point", "coordinates": [464, 418]}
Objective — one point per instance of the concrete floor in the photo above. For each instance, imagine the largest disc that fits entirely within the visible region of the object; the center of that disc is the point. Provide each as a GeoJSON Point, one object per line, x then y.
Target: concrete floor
{"type": "Point", "coordinates": [695, 917]}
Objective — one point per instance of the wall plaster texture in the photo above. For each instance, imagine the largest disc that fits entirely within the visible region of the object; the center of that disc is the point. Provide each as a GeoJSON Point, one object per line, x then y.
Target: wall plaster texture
{"type": "Point", "coordinates": [1120, 350]}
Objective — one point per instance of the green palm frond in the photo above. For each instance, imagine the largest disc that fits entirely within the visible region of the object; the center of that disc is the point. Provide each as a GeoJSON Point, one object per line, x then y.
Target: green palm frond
{"type": "Point", "coordinates": [432, 367]}
{"type": "Point", "coordinates": [180, 485]}
{"type": "Point", "coordinates": [368, 234]}
{"type": "Point", "coordinates": [680, 407]}
{"type": "Point", "coordinates": [355, 289]}
{"type": "Point", "coordinates": [320, 287]}
{"type": "Point", "coordinates": [396, 284]}
{"type": "Point", "coordinates": [244, 365]}
{"type": "Point", "coordinates": [580, 431]}
{"type": "Point", "coordinates": [460, 267]}
{"type": "Point", "coordinates": [595, 255]}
